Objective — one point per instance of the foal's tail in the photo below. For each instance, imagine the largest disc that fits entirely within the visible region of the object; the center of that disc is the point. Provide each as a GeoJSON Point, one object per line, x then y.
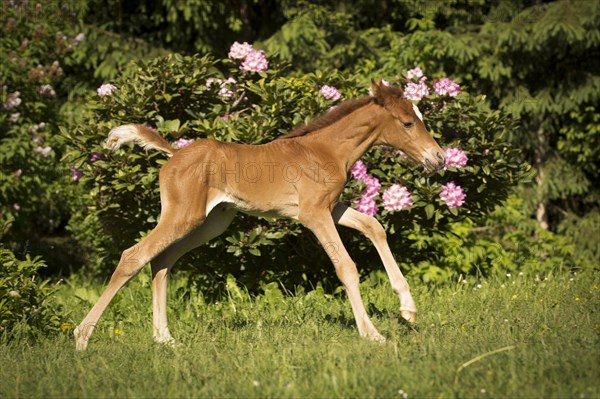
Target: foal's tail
{"type": "Point", "coordinates": [139, 134]}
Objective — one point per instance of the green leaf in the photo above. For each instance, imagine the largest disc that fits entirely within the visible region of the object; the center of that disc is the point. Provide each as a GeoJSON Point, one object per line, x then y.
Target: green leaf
{"type": "Point", "coordinates": [254, 251]}
{"type": "Point", "coordinates": [429, 211]}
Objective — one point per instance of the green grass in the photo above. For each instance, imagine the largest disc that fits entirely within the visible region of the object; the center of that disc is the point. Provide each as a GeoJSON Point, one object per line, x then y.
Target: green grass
{"type": "Point", "coordinates": [512, 337]}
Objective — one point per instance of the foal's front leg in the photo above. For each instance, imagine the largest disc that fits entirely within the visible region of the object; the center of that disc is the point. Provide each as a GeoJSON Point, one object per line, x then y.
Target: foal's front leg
{"type": "Point", "coordinates": [373, 230]}
{"type": "Point", "coordinates": [324, 229]}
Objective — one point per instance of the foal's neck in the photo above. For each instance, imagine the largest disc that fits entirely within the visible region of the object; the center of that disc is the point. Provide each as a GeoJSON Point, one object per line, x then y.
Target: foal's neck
{"type": "Point", "coordinates": [350, 137]}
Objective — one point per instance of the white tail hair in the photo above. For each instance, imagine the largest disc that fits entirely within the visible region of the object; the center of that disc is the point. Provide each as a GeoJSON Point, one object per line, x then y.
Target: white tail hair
{"type": "Point", "coordinates": [139, 134]}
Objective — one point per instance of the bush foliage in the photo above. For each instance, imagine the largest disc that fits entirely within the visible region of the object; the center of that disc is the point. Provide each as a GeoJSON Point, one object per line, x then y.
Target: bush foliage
{"type": "Point", "coordinates": [26, 301]}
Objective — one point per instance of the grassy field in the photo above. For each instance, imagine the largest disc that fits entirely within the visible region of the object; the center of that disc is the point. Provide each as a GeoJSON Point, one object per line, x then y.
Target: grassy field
{"type": "Point", "coordinates": [514, 336]}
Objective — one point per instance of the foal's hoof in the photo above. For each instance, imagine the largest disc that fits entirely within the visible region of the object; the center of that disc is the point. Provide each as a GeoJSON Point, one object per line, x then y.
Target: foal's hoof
{"type": "Point", "coordinates": [375, 337]}
{"type": "Point", "coordinates": [166, 341]}
{"type": "Point", "coordinates": [80, 342]}
{"type": "Point", "coordinates": [409, 316]}
{"type": "Point", "coordinates": [378, 338]}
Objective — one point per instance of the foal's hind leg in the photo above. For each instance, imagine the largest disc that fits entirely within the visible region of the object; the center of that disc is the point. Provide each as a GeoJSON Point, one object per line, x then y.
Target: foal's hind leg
{"type": "Point", "coordinates": [215, 224]}
{"type": "Point", "coordinates": [171, 228]}
{"type": "Point", "coordinates": [373, 230]}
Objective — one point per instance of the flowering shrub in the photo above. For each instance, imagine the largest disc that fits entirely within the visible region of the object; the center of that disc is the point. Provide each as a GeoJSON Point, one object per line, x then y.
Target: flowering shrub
{"type": "Point", "coordinates": [398, 197]}
{"type": "Point", "coordinates": [37, 44]}
{"type": "Point", "coordinates": [423, 211]}
{"type": "Point", "coordinates": [184, 98]}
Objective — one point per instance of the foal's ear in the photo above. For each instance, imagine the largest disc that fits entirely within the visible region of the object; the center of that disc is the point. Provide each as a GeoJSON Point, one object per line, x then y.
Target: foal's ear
{"type": "Point", "coordinates": [376, 90]}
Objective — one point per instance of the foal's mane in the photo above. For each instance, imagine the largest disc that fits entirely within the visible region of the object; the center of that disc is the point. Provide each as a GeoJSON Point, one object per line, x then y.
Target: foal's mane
{"type": "Point", "coordinates": [329, 118]}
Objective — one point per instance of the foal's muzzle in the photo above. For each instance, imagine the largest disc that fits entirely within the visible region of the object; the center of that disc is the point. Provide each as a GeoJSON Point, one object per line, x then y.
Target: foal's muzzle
{"type": "Point", "coordinates": [434, 161]}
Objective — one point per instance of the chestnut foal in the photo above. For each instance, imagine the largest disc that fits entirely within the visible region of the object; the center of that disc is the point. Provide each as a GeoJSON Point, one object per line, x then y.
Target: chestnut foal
{"type": "Point", "coordinates": [300, 176]}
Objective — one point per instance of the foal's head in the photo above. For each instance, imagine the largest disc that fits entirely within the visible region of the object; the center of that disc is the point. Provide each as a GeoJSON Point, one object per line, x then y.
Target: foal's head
{"type": "Point", "coordinates": [404, 129]}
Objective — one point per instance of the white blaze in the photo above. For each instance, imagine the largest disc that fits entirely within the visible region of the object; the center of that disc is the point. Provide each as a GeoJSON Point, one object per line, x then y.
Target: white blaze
{"type": "Point", "coordinates": [419, 114]}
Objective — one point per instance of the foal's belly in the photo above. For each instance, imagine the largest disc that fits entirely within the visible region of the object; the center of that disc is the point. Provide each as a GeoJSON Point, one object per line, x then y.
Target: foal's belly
{"type": "Point", "coordinates": [266, 208]}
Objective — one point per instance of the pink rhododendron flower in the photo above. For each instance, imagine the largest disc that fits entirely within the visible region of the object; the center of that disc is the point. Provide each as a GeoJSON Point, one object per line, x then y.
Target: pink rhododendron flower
{"type": "Point", "coordinates": [180, 143]}
{"type": "Point", "coordinates": [373, 186]}
{"type": "Point", "coordinates": [76, 174]}
{"type": "Point", "coordinates": [453, 195]}
{"type": "Point", "coordinates": [455, 157]}
{"type": "Point", "coordinates": [359, 170]}
{"type": "Point", "coordinates": [106, 89]}
{"type": "Point", "coordinates": [416, 72]}
{"type": "Point", "coordinates": [397, 197]}
{"type": "Point", "coordinates": [446, 86]}
{"type": "Point", "coordinates": [330, 92]}
{"type": "Point", "coordinates": [416, 91]}
{"type": "Point", "coordinates": [240, 50]}
{"type": "Point", "coordinates": [255, 61]}
{"type": "Point", "coordinates": [367, 205]}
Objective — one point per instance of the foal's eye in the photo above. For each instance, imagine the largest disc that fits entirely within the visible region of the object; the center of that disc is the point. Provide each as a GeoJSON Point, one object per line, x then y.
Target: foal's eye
{"type": "Point", "coordinates": [408, 125]}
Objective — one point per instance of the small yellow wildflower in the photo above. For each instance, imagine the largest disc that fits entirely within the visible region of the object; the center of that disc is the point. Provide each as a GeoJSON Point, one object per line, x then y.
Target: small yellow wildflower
{"type": "Point", "coordinates": [66, 327]}
{"type": "Point", "coordinates": [118, 331]}
{"type": "Point", "coordinates": [514, 296]}
{"type": "Point", "coordinates": [463, 328]}
{"type": "Point", "coordinates": [577, 299]}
